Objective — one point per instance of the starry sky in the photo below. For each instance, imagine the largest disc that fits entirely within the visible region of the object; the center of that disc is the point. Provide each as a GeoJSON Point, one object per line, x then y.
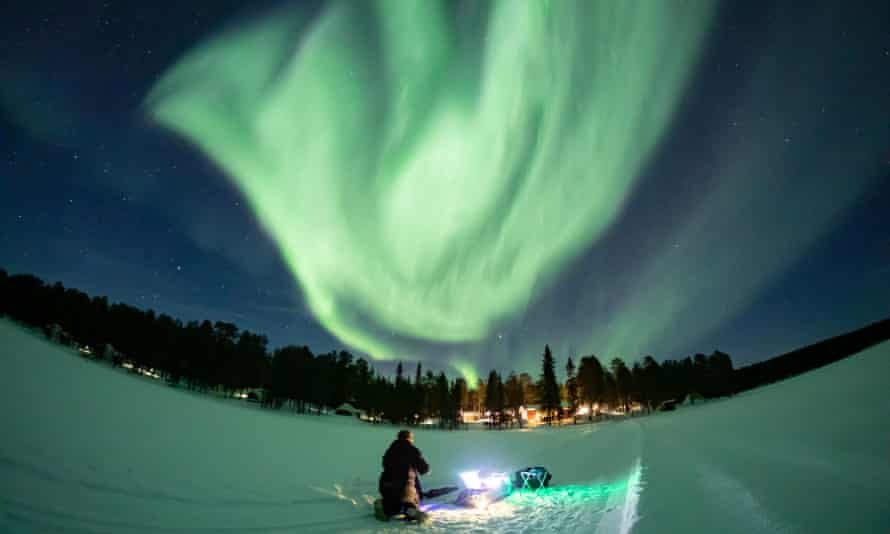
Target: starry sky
{"type": "Point", "coordinates": [458, 183]}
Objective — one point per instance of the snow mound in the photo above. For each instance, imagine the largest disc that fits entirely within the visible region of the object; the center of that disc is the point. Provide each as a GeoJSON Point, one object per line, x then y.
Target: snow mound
{"type": "Point", "coordinates": [87, 448]}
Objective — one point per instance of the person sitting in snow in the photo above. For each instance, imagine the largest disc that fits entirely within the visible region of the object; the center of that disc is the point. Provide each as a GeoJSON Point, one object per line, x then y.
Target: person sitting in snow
{"type": "Point", "coordinates": [399, 485]}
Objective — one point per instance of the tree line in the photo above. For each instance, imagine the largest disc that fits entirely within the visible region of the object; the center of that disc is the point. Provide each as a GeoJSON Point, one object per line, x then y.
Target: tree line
{"type": "Point", "coordinates": [612, 387]}
{"type": "Point", "coordinates": [811, 357]}
{"type": "Point", "coordinates": [218, 356]}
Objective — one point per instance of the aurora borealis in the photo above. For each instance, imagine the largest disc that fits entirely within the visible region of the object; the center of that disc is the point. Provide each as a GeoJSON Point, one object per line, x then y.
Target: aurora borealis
{"type": "Point", "coordinates": [459, 183]}
{"type": "Point", "coordinates": [424, 175]}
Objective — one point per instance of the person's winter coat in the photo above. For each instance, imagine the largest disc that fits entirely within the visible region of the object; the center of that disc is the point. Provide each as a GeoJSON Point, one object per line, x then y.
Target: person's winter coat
{"type": "Point", "coordinates": [402, 464]}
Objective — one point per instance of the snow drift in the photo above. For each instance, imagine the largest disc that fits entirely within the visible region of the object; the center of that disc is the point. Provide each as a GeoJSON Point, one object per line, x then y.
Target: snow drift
{"type": "Point", "coordinates": [87, 448]}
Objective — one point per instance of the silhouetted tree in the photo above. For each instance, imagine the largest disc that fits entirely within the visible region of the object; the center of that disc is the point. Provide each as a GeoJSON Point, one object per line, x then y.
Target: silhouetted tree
{"type": "Point", "coordinates": [515, 396]}
{"type": "Point", "coordinates": [650, 382]}
{"type": "Point", "coordinates": [529, 389]}
{"type": "Point", "coordinates": [495, 398]}
{"type": "Point", "coordinates": [550, 401]}
{"type": "Point", "coordinates": [697, 380]}
{"type": "Point", "coordinates": [637, 380]}
{"type": "Point", "coordinates": [443, 396]}
{"type": "Point", "coordinates": [572, 388]}
{"type": "Point", "coordinates": [591, 380]}
{"type": "Point", "coordinates": [364, 377]}
{"type": "Point", "coordinates": [474, 397]}
{"type": "Point", "coordinates": [458, 393]}
{"type": "Point", "coordinates": [622, 383]}
{"type": "Point", "coordinates": [4, 293]}
{"type": "Point", "coordinates": [720, 374]}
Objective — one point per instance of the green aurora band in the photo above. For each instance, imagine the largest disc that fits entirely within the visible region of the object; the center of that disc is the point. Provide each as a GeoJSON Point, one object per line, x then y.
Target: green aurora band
{"type": "Point", "coordinates": [426, 169]}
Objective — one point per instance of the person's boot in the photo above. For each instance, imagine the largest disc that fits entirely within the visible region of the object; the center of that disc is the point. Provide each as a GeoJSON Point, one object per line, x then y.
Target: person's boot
{"type": "Point", "coordinates": [378, 510]}
{"type": "Point", "coordinates": [416, 514]}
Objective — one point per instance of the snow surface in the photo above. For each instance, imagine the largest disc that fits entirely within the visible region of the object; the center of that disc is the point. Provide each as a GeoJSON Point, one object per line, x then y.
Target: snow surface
{"type": "Point", "coordinates": [87, 448]}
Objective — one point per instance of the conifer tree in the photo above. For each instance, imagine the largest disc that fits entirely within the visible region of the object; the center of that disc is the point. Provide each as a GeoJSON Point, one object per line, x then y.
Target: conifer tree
{"type": "Point", "coordinates": [549, 388]}
{"type": "Point", "coordinates": [572, 387]}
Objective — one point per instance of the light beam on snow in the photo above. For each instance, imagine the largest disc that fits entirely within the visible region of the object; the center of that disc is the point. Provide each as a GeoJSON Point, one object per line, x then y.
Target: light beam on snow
{"type": "Point", "coordinates": [426, 168]}
{"type": "Point", "coordinates": [624, 518]}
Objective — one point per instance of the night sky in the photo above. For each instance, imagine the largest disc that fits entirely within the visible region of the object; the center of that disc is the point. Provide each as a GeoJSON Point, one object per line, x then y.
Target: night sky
{"type": "Point", "coordinates": [458, 184]}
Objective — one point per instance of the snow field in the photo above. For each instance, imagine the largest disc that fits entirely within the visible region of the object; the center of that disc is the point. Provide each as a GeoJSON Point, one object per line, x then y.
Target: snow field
{"type": "Point", "coordinates": [88, 448]}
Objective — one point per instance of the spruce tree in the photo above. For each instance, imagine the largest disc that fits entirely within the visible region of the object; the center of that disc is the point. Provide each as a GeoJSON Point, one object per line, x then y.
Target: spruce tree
{"type": "Point", "coordinates": [493, 393]}
{"type": "Point", "coordinates": [623, 383]}
{"type": "Point", "coordinates": [443, 393]}
{"type": "Point", "coordinates": [592, 381]}
{"type": "Point", "coordinates": [549, 387]}
{"type": "Point", "coordinates": [418, 396]}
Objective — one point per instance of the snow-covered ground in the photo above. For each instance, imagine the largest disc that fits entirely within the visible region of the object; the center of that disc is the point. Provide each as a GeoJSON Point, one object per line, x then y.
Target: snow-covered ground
{"type": "Point", "coordinates": [86, 448]}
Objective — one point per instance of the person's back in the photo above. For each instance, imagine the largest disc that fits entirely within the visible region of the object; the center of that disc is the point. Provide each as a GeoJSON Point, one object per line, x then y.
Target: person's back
{"type": "Point", "coordinates": [399, 483]}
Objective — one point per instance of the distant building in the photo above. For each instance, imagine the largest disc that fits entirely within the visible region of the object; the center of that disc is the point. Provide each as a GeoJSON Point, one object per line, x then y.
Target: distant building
{"type": "Point", "coordinates": [250, 394]}
{"type": "Point", "coordinates": [470, 416]}
{"type": "Point", "coordinates": [532, 414]}
{"type": "Point", "coordinates": [349, 410]}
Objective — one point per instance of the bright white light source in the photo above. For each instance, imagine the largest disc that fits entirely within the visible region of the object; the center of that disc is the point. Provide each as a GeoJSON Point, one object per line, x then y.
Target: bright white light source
{"type": "Point", "coordinates": [494, 481]}
{"type": "Point", "coordinates": [471, 479]}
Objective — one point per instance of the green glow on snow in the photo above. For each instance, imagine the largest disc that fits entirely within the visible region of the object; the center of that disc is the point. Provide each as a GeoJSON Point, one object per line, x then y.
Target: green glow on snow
{"type": "Point", "coordinates": [564, 496]}
{"type": "Point", "coordinates": [426, 170]}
